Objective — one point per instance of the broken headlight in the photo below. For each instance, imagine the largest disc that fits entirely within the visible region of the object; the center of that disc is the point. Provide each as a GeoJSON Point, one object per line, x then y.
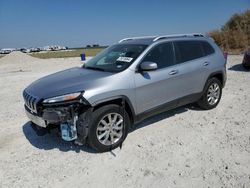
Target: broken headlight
{"type": "Point", "coordinates": [61, 98]}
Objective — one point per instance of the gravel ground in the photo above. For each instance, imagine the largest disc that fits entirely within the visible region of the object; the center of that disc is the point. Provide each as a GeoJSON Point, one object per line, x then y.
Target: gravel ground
{"type": "Point", "coordinates": [186, 147]}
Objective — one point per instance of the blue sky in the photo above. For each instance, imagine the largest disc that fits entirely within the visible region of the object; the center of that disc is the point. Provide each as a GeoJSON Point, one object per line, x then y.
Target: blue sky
{"type": "Point", "coordinates": [75, 23]}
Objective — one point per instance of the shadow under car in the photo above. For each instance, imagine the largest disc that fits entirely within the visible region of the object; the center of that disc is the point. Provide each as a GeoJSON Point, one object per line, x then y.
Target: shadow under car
{"type": "Point", "coordinates": [53, 140]}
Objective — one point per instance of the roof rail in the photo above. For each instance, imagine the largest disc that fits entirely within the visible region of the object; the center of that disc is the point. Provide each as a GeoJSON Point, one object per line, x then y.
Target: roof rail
{"type": "Point", "coordinates": [133, 38]}
{"type": "Point", "coordinates": [178, 35]}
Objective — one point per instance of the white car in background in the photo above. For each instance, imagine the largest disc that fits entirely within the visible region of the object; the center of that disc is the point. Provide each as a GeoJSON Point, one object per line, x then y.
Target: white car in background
{"type": "Point", "coordinates": [6, 50]}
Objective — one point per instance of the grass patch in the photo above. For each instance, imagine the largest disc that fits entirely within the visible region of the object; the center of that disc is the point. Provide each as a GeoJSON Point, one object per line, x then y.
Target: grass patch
{"type": "Point", "coordinates": [67, 53]}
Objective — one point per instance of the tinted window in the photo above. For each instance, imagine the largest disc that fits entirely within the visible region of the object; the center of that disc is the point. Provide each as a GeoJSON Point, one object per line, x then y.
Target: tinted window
{"type": "Point", "coordinates": [208, 49]}
{"type": "Point", "coordinates": [162, 55]}
{"type": "Point", "coordinates": [188, 50]}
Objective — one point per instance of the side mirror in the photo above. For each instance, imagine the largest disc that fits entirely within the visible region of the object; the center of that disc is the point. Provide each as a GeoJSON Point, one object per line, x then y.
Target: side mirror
{"type": "Point", "coordinates": [148, 66]}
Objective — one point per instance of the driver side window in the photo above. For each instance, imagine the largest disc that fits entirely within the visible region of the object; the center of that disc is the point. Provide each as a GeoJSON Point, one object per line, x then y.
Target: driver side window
{"type": "Point", "coordinates": [161, 54]}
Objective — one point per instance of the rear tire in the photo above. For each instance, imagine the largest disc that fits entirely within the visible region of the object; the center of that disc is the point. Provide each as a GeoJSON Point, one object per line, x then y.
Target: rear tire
{"type": "Point", "coordinates": [211, 94]}
{"type": "Point", "coordinates": [245, 66]}
{"type": "Point", "coordinates": [106, 132]}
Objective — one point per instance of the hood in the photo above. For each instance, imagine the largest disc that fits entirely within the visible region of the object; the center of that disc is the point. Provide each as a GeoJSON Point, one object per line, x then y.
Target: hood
{"type": "Point", "coordinates": [64, 82]}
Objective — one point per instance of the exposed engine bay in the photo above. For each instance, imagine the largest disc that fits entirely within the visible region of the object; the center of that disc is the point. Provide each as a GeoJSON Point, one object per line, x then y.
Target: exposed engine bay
{"type": "Point", "coordinates": [70, 122]}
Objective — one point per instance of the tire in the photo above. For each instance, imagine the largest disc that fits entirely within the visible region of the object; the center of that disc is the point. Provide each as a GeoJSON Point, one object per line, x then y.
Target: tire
{"type": "Point", "coordinates": [245, 66]}
{"type": "Point", "coordinates": [206, 102]}
{"type": "Point", "coordinates": [96, 128]}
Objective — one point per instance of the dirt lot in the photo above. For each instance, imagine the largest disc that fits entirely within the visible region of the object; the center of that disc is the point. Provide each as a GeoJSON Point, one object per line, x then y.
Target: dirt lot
{"type": "Point", "coordinates": [186, 147]}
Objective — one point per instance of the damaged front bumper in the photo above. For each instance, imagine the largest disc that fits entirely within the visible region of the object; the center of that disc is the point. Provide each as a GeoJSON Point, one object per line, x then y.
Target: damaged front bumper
{"type": "Point", "coordinates": [49, 116]}
{"type": "Point", "coordinates": [70, 119]}
{"type": "Point", "coordinates": [35, 119]}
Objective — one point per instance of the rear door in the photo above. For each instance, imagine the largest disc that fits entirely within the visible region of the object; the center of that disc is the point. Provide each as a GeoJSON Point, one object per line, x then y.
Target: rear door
{"type": "Point", "coordinates": [192, 66]}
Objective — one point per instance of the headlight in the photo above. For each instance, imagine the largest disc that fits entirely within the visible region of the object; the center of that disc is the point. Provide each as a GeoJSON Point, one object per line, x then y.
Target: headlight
{"type": "Point", "coordinates": [67, 97]}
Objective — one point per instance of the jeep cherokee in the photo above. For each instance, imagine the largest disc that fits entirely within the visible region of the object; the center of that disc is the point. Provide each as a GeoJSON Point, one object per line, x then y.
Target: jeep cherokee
{"type": "Point", "coordinates": [127, 82]}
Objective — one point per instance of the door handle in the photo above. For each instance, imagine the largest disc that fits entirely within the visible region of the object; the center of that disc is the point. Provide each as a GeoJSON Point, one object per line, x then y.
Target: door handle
{"type": "Point", "coordinates": [173, 72]}
{"type": "Point", "coordinates": [205, 63]}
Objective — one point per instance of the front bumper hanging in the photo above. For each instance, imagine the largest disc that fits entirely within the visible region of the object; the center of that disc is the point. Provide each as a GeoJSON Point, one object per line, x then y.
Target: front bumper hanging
{"type": "Point", "coordinates": [66, 120]}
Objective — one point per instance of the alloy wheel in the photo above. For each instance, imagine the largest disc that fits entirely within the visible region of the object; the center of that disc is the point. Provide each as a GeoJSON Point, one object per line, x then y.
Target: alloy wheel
{"type": "Point", "coordinates": [109, 129]}
{"type": "Point", "coordinates": [213, 94]}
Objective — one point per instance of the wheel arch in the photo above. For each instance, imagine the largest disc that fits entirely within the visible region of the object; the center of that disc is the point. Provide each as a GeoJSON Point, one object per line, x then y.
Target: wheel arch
{"type": "Point", "coordinates": [117, 100]}
{"type": "Point", "coordinates": [219, 75]}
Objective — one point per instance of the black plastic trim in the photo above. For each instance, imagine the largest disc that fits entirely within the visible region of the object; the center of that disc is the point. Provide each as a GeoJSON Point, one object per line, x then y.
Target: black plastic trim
{"type": "Point", "coordinates": [127, 100]}
{"type": "Point", "coordinates": [216, 73]}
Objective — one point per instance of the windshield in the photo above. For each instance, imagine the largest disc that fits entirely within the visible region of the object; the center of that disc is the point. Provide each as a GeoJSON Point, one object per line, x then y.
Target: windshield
{"type": "Point", "coordinates": [115, 58]}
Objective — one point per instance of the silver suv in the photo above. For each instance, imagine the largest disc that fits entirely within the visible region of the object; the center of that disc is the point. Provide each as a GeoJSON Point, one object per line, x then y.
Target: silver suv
{"type": "Point", "coordinates": [136, 78]}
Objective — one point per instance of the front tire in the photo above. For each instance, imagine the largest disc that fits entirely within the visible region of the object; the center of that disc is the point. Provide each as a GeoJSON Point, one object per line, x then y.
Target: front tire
{"type": "Point", "coordinates": [211, 95]}
{"type": "Point", "coordinates": [109, 128]}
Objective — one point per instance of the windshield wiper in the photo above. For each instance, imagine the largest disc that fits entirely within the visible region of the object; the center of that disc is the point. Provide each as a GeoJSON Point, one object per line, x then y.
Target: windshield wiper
{"type": "Point", "coordinates": [94, 68]}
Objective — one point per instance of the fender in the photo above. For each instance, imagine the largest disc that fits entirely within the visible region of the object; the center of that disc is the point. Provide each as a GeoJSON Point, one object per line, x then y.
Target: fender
{"type": "Point", "coordinates": [222, 79]}
{"type": "Point", "coordinates": [115, 98]}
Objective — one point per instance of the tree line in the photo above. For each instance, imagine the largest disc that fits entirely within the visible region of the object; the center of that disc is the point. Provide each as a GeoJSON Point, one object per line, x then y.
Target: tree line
{"type": "Point", "coordinates": [234, 36]}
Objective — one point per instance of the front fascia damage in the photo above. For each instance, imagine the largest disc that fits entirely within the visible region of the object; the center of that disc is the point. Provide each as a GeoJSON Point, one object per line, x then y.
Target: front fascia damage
{"type": "Point", "coordinates": [71, 117]}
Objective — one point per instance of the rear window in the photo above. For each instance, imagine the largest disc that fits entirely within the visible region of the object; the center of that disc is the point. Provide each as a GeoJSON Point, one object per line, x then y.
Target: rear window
{"type": "Point", "coordinates": [208, 49]}
{"type": "Point", "coordinates": [188, 50]}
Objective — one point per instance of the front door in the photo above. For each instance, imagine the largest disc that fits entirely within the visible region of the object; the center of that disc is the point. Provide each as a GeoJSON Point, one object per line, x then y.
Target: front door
{"type": "Point", "coordinates": [154, 88]}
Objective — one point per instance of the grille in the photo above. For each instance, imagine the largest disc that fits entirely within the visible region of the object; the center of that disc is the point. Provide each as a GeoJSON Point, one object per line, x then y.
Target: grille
{"type": "Point", "coordinates": [30, 101]}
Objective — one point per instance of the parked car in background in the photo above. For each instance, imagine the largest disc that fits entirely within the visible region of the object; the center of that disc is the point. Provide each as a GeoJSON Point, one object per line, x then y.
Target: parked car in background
{"type": "Point", "coordinates": [25, 50]}
{"type": "Point", "coordinates": [54, 48]}
{"type": "Point", "coordinates": [35, 50]}
{"type": "Point", "coordinates": [246, 59]}
{"type": "Point", "coordinates": [136, 78]}
{"type": "Point", "coordinates": [6, 50]}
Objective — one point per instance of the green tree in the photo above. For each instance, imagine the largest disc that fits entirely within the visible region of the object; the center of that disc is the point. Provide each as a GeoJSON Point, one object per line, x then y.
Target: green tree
{"type": "Point", "coordinates": [235, 33]}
